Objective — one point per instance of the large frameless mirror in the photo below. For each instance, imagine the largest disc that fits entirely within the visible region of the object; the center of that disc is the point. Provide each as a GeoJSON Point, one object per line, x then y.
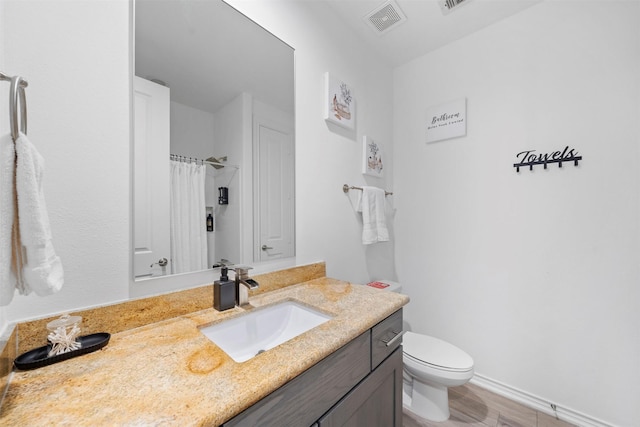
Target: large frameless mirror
{"type": "Point", "coordinates": [213, 139]}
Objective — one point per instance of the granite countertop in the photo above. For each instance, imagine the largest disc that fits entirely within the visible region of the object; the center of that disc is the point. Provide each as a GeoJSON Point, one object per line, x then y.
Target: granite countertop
{"type": "Point", "coordinates": [169, 373]}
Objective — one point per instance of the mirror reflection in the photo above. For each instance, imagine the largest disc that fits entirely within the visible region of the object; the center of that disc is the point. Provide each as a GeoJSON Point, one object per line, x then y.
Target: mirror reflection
{"type": "Point", "coordinates": [213, 140]}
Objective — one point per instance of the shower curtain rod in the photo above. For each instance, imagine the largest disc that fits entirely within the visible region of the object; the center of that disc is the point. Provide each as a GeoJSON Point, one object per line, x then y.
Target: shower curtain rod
{"type": "Point", "coordinates": [179, 158]}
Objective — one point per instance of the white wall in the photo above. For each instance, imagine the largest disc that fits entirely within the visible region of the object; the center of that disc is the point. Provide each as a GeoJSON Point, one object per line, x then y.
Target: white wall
{"type": "Point", "coordinates": [231, 125]}
{"type": "Point", "coordinates": [535, 274]}
{"type": "Point", "coordinates": [541, 267]}
{"type": "Point", "coordinates": [4, 86]}
{"type": "Point", "coordinates": [191, 131]}
{"type": "Point", "coordinates": [75, 56]}
{"type": "Point", "coordinates": [4, 112]}
{"type": "Point", "coordinates": [326, 226]}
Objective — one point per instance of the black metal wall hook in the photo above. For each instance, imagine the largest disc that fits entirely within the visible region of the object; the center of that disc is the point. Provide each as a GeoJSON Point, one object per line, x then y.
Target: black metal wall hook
{"type": "Point", "coordinates": [528, 158]}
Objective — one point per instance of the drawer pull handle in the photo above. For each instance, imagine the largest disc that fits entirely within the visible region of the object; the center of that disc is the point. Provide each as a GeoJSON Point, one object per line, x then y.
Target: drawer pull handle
{"type": "Point", "coordinates": [394, 339]}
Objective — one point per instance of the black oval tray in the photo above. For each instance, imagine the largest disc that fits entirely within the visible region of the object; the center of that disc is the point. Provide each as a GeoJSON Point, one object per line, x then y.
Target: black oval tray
{"type": "Point", "coordinates": [38, 357]}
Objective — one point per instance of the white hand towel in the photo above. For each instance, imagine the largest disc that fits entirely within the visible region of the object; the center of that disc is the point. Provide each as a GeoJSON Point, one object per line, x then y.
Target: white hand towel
{"type": "Point", "coordinates": [374, 224]}
{"type": "Point", "coordinates": [7, 215]}
{"type": "Point", "coordinates": [42, 269]}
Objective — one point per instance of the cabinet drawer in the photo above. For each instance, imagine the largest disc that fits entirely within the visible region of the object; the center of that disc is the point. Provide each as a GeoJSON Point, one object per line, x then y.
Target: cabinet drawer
{"type": "Point", "coordinates": [382, 334]}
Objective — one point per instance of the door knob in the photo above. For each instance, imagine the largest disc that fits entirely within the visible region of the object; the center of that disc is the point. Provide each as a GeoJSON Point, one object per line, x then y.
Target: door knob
{"type": "Point", "coordinates": [161, 262]}
{"type": "Point", "coordinates": [265, 247]}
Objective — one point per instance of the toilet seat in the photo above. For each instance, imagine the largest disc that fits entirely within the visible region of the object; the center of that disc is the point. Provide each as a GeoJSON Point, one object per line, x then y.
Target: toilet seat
{"type": "Point", "coordinates": [436, 353]}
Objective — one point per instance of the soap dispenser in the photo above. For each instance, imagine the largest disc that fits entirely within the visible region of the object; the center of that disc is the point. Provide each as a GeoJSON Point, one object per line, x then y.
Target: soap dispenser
{"type": "Point", "coordinates": [224, 292]}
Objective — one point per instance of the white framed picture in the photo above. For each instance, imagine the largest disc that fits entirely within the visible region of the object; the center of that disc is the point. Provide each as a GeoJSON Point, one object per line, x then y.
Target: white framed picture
{"type": "Point", "coordinates": [372, 157]}
{"type": "Point", "coordinates": [447, 121]}
{"type": "Point", "coordinates": [340, 105]}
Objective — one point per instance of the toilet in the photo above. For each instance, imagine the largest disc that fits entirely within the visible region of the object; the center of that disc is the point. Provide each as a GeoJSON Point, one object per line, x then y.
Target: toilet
{"type": "Point", "coordinates": [431, 366]}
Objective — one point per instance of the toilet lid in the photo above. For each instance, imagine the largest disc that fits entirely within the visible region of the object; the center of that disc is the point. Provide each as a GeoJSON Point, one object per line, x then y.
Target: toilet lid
{"type": "Point", "coordinates": [436, 352]}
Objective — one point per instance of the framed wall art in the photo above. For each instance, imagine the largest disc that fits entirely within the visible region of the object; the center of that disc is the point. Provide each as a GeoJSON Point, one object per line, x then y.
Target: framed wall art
{"type": "Point", "coordinates": [372, 157]}
{"type": "Point", "coordinates": [447, 121]}
{"type": "Point", "coordinates": [339, 105]}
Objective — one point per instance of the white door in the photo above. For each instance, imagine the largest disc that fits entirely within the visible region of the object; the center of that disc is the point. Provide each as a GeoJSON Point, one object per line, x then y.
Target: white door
{"type": "Point", "coordinates": [151, 178]}
{"type": "Point", "coordinates": [274, 189]}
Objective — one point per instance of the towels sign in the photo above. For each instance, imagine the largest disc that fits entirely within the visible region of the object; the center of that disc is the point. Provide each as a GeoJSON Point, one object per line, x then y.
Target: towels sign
{"type": "Point", "coordinates": [531, 158]}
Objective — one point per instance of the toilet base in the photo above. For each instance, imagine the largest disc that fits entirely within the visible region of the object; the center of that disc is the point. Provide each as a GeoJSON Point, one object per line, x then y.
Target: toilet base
{"type": "Point", "coordinates": [426, 400]}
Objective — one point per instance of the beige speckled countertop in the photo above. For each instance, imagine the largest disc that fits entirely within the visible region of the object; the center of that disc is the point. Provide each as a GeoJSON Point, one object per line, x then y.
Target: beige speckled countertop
{"type": "Point", "coordinates": [169, 373]}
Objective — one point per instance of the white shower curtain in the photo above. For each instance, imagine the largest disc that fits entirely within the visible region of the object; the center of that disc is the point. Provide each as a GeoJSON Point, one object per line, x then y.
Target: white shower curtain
{"type": "Point", "coordinates": [188, 219]}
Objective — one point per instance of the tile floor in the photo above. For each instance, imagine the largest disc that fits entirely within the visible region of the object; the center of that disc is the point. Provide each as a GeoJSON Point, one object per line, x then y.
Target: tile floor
{"type": "Point", "coordinates": [474, 406]}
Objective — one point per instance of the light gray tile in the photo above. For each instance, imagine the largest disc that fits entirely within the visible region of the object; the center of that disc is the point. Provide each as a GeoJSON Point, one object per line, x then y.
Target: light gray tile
{"type": "Point", "coordinates": [545, 420]}
{"type": "Point", "coordinates": [473, 406]}
{"type": "Point", "coordinates": [505, 421]}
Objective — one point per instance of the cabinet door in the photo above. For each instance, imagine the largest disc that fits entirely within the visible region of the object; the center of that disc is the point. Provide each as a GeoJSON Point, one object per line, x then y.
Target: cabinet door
{"type": "Point", "coordinates": [305, 398]}
{"type": "Point", "coordinates": [375, 402]}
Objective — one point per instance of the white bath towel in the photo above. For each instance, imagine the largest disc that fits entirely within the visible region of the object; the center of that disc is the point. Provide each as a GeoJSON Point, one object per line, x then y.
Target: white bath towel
{"type": "Point", "coordinates": [42, 269]}
{"type": "Point", "coordinates": [7, 214]}
{"type": "Point", "coordinates": [374, 223]}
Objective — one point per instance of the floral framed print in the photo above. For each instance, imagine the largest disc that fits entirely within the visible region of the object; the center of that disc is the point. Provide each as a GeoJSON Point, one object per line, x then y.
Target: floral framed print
{"type": "Point", "coordinates": [339, 105]}
{"type": "Point", "coordinates": [372, 157]}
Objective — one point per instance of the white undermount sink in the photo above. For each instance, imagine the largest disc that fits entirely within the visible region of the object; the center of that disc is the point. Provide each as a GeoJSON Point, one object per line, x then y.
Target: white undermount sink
{"type": "Point", "coordinates": [247, 335]}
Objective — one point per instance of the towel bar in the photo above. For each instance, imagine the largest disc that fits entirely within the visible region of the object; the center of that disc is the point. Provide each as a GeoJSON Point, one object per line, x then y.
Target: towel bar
{"type": "Point", "coordinates": [17, 92]}
{"type": "Point", "coordinates": [347, 187]}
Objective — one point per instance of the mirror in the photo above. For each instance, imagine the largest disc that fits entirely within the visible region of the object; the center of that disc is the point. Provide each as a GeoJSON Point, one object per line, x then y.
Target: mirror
{"type": "Point", "coordinates": [216, 92]}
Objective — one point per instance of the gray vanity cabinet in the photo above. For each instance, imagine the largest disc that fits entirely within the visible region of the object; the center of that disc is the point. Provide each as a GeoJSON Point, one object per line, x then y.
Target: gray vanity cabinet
{"type": "Point", "coordinates": [358, 385]}
{"type": "Point", "coordinates": [376, 401]}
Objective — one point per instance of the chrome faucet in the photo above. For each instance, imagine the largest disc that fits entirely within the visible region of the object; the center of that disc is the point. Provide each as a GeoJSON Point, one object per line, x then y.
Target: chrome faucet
{"type": "Point", "coordinates": [243, 284]}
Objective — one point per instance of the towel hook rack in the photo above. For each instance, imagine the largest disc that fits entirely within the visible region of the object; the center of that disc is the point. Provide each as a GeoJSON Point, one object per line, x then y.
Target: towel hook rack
{"type": "Point", "coordinates": [16, 94]}
{"type": "Point", "coordinates": [348, 187]}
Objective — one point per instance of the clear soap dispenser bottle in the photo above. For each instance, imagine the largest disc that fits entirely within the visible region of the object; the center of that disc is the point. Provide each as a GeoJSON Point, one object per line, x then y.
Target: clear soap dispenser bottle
{"type": "Point", "coordinates": [224, 292]}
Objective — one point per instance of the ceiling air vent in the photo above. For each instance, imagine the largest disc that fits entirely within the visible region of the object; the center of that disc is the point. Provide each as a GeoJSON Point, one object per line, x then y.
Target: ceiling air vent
{"type": "Point", "coordinates": [447, 6]}
{"type": "Point", "coordinates": [385, 18]}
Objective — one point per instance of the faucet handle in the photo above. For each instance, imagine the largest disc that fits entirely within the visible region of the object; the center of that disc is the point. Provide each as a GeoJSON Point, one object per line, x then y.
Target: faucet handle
{"type": "Point", "coordinates": [222, 263]}
{"type": "Point", "coordinates": [242, 270]}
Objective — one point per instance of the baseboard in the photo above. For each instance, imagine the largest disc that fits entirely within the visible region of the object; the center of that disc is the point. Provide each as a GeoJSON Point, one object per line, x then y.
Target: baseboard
{"type": "Point", "coordinates": [537, 403]}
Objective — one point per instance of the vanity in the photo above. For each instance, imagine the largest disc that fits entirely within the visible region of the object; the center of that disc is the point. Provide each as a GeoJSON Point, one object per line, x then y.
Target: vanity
{"type": "Point", "coordinates": [360, 384]}
{"type": "Point", "coordinates": [341, 372]}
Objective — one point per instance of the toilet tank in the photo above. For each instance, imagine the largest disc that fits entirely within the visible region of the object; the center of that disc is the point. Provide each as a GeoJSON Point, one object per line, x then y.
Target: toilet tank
{"type": "Point", "coordinates": [386, 285]}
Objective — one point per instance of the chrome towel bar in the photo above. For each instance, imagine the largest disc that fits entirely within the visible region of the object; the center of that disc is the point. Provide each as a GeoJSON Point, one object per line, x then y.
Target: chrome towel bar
{"type": "Point", "coordinates": [347, 187]}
